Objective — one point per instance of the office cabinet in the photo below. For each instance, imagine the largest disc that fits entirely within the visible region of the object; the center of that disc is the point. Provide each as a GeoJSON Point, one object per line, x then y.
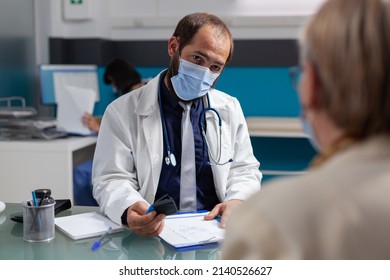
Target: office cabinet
{"type": "Point", "coordinates": [35, 164]}
{"type": "Point", "coordinates": [280, 145]}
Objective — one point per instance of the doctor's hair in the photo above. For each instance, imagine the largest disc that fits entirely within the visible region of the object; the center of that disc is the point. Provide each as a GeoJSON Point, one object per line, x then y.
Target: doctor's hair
{"type": "Point", "coordinates": [190, 24]}
{"type": "Point", "coordinates": [348, 44]}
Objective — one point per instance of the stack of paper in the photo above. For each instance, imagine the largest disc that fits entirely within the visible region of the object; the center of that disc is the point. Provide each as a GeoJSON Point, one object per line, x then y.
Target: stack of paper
{"type": "Point", "coordinates": [73, 103]}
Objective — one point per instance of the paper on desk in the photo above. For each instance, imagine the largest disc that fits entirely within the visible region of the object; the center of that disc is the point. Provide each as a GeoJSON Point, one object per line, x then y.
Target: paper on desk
{"type": "Point", "coordinates": [72, 105]}
{"type": "Point", "coordinates": [185, 230]}
{"type": "Point", "coordinates": [86, 225]}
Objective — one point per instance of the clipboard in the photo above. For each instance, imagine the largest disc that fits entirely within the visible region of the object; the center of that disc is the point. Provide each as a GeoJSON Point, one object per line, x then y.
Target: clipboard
{"type": "Point", "coordinates": [86, 225]}
{"type": "Point", "coordinates": [190, 231]}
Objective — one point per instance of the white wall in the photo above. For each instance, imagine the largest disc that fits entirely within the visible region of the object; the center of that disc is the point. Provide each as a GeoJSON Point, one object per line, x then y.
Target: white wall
{"type": "Point", "coordinates": [156, 19]}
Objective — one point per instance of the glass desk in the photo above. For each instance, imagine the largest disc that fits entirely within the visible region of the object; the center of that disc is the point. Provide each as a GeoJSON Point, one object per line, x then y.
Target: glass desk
{"type": "Point", "coordinates": [120, 246]}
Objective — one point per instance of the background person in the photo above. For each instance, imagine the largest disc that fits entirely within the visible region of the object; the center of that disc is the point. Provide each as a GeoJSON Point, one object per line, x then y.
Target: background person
{"type": "Point", "coordinates": [133, 165]}
{"type": "Point", "coordinates": [340, 209]}
{"type": "Point", "coordinates": [124, 78]}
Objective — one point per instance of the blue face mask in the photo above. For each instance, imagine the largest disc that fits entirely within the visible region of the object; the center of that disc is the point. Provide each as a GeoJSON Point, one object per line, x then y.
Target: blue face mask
{"type": "Point", "coordinates": [192, 81]}
{"type": "Point", "coordinates": [309, 132]}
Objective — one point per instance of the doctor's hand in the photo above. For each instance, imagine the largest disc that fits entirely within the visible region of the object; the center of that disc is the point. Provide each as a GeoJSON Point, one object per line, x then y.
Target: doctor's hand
{"type": "Point", "coordinates": [141, 224]}
{"type": "Point", "coordinates": [224, 209]}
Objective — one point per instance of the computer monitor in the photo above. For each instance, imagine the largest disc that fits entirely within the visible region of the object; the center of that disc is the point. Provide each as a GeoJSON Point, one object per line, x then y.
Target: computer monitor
{"type": "Point", "coordinates": [54, 78]}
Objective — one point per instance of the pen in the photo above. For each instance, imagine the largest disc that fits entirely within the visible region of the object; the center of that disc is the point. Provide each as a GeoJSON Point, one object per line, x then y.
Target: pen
{"type": "Point", "coordinates": [37, 212]}
{"type": "Point", "coordinates": [98, 243]}
{"type": "Point", "coordinates": [150, 209]}
{"type": "Point", "coordinates": [34, 199]}
{"type": "Point", "coordinates": [42, 199]}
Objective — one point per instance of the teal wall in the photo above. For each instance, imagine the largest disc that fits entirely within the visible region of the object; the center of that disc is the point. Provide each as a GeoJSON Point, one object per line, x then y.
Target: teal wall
{"type": "Point", "coordinates": [286, 154]}
{"type": "Point", "coordinates": [17, 56]}
{"type": "Point", "coordinates": [106, 94]}
{"type": "Point", "coordinates": [261, 91]}
{"type": "Point", "coordinates": [17, 81]}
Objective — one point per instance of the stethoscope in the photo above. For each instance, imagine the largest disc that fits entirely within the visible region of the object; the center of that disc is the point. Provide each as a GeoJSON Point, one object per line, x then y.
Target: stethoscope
{"type": "Point", "coordinates": [170, 158]}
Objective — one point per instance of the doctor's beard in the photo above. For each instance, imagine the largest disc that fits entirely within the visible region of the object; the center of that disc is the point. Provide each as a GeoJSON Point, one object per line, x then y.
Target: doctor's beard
{"type": "Point", "coordinates": [173, 70]}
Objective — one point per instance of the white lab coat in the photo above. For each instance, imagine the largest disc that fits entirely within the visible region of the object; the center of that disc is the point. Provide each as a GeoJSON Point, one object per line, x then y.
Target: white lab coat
{"type": "Point", "coordinates": [129, 151]}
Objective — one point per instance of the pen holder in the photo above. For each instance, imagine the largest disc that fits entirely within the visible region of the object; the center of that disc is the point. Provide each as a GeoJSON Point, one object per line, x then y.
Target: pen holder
{"type": "Point", "coordinates": [38, 221]}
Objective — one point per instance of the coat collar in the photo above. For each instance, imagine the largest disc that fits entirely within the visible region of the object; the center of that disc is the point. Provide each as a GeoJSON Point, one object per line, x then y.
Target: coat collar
{"type": "Point", "coordinates": [148, 103]}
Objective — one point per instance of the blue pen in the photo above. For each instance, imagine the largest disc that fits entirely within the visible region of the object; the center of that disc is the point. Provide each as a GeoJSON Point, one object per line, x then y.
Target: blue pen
{"type": "Point", "coordinates": [98, 243]}
{"type": "Point", "coordinates": [36, 206]}
{"type": "Point", "coordinates": [150, 209]}
{"type": "Point", "coordinates": [34, 199]}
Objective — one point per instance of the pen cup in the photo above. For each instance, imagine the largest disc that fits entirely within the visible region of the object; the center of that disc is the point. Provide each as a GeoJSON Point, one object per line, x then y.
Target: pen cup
{"type": "Point", "coordinates": [38, 221]}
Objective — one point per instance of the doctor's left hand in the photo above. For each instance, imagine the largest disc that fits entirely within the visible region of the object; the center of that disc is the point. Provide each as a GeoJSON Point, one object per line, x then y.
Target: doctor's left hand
{"type": "Point", "coordinates": [224, 209]}
{"type": "Point", "coordinates": [144, 224]}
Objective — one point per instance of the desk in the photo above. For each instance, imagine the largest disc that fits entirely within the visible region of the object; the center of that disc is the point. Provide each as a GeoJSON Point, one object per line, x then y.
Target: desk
{"type": "Point", "coordinates": [280, 144]}
{"type": "Point", "coordinates": [35, 164]}
{"type": "Point", "coordinates": [123, 245]}
{"type": "Point", "coordinates": [275, 127]}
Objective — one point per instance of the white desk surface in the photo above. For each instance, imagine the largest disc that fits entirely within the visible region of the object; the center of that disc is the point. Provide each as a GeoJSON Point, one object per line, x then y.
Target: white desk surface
{"type": "Point", "coordinates": [62, 144]}
{"type": "Point", "coordinates": [275, 127]}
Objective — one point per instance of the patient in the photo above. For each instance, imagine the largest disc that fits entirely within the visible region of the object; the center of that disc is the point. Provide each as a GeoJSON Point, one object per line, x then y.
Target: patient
{"type": "Point", "coordinates": [340, 209]}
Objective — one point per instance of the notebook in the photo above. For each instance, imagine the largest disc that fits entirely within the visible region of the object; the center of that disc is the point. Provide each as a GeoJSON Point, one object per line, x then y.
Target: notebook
{"type": "Point", "coordinates": [86, 225]}
{"type": "Point", "coordinates": [191, 231]}
{"type": "Point", "coordinates": [2, 206]}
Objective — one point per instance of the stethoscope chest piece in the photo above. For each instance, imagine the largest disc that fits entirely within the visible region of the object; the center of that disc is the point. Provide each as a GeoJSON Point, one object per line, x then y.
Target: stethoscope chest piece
{"type": "Point", "coordinates": [170, 159]}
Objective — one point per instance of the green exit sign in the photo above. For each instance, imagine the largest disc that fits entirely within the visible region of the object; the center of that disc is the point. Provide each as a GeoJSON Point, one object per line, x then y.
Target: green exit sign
{"type": "Point", "coordinates": [76, 2]}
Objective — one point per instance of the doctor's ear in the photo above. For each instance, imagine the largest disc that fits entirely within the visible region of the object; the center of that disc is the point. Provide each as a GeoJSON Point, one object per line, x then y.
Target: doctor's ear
{"type": "Point", "coordinates": [173, 46]}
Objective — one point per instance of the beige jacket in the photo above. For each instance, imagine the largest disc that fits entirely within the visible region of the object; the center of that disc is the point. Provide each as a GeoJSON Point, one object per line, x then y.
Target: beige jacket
{"type": "Point", "coordinates": [340, 210]}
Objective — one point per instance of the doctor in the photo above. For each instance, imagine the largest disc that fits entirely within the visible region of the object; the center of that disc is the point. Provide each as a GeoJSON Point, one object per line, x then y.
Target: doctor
{"type": "Point", "coordinates": [138, 156]}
